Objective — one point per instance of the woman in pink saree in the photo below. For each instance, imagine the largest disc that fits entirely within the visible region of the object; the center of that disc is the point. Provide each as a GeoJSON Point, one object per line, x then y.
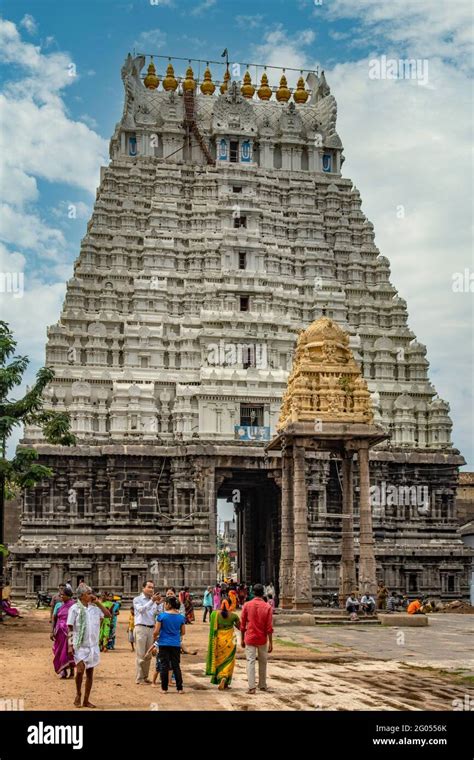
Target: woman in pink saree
{"type": "Point", "coordinates": [62, 661]}
{"type": "Point", "coordinates": [216, 596]}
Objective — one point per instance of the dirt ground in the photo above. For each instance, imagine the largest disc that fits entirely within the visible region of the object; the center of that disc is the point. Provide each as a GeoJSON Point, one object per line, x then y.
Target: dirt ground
{"type": "Point", "coordinates": [318, 674]}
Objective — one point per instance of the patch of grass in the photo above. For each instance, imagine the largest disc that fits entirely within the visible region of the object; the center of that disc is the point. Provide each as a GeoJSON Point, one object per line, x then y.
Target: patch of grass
{"type": "Point", "coordinates": [286, 643]}
{"type": "Point", "coordinates": [463, 678]}
{"type": "Point", "coordinates": [336, 644]}
{"type": "Point", "coordinates": [455, 674]}
{"type": "Point", "coordinates": [295, 644]}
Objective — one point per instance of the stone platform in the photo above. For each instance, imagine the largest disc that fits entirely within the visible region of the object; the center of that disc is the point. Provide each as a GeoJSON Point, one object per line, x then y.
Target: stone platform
{"type": "Point", "coordinates": [321, 616]}
{"type": "Point", "coordinates": [403, 619]}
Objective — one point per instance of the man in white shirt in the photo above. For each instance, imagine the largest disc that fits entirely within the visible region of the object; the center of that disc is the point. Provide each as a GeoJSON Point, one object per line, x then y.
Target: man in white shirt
{"type": "Point", "coordinates": [270, 589]}
{"type": "Point", "coordinates": [83, 622]}
{"type": "Point", "coordinates": [146, 608]}
{"type": "Point", "coordinates": [368, 604]}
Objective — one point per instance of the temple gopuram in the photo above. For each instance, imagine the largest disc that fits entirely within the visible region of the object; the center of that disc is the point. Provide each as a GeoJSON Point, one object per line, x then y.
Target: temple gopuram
{"type": "Point", "coordinates": [222, 227]}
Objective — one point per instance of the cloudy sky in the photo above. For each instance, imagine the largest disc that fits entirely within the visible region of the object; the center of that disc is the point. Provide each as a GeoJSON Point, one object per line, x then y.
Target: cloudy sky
{"type": "Point", "coordinates": [407, 140]}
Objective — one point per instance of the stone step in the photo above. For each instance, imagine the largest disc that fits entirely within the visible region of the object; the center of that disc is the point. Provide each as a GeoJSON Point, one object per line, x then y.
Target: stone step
{"type": "Point", "coordinates": [344, 620]}
{"type": "Point", "coordinates": [310, 618]}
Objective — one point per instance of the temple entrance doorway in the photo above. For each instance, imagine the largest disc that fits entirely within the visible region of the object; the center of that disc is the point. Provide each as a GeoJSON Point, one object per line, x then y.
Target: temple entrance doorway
{"type": "Point", "coordinates": [248, 524]}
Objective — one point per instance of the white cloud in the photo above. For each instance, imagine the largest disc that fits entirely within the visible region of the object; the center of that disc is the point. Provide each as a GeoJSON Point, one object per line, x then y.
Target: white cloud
{"type": "Point", "coordinates": [161, 4]}
{"type": "Point", "coordinates": [278, 49]}
{"type": "Point", "coordinates": [11, 261]}
{"type": "Point", "coordinates": [29, 322]}
{"type": "Point", "coordinates": [149, 42]}
{"type": "Point", "coordinates": [72, 210]}
{"type": "Point", "coordinates": [28, 231]}
{"type": "Point", "coordinates": [16, 187]}
{"type": "Point", "coordinates": [307, 37]}
{"type": "Point", "coordinates": [38, 141]}
{"type": "Point", "coordinates": [45, 142]}
{"type": "Point", "coordinates": [29, 23]}
{"type": "Point", "coordinates": [425, 28]}
{"type": "Point", "coordinates": [249, 22]}
{"type": "Point", "coordinates": [89, 120]}
{"type": "Point", "coordinates": [48, 74]}
{"type": "Point", "coordinates": [202, 7]}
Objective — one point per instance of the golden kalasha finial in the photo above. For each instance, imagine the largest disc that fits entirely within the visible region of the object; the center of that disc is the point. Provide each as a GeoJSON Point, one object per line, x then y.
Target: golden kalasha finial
{"type": "Point", "coordinates": [207, 85]}
{"type": "Point", "coordinates": [300, 95]}
{"type": "Point", "coordinates": [247, 88]}
{"type": "Point", "coordinates": [151, 81]}
{"type": "Point", "coordinates": [264, 92]}
{"type": "Point", "coordinates": [170, 82]}
{"type": "Point", "coordinates": [189, 83]}
{"type": "Point", "coordinates": [283, 94]}
{"type": "Point", "coordinates": [225, 83]}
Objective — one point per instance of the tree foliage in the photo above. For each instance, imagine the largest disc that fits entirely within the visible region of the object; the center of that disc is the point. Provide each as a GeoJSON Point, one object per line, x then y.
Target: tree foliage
{"type": "Point", "coordinates": [23, 470]}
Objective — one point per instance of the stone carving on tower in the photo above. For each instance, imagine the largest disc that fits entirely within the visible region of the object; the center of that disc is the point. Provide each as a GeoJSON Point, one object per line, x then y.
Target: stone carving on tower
{"type": "Point", "coordinates": [325, 382]}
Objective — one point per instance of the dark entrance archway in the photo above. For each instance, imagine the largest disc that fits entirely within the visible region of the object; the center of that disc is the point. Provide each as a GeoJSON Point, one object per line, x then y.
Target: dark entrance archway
{"type": "Point", "coordinates": [256, 500]}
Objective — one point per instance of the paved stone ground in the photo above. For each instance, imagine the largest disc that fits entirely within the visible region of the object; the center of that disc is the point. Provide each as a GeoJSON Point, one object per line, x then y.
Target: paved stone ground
{"type": "Point", "coordinates": [317, 668]}
{"type": "Point", "coordinates": [447, 642]}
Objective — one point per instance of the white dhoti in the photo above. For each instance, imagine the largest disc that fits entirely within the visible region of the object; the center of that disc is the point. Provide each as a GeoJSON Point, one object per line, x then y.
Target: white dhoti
{"type": "Point", "coordinates": [90, 656]}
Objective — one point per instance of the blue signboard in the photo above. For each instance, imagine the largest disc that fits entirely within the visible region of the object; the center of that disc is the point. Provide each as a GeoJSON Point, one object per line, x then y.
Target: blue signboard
{"type": "Point", "coordinates": [247, 433]}
{"type": "Point", "coordinates": [132, 145]}
{"type": "Point", "coordinates": [327, 162]}
{"type": "Point", "coordinates": [223, 150]}
{"type": "Point", "coordinates": [245, 151]}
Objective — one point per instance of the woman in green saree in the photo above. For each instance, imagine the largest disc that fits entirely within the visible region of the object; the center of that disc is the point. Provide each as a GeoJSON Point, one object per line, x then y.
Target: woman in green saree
{"type": "Point", "coordinates": [222, 647]}
{"type": "Point", "coordinates": [104, 632]}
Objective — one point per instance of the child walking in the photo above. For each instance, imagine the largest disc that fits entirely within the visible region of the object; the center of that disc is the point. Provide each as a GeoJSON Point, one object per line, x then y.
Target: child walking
{"type": "Point", "coordinates": [169, 628]}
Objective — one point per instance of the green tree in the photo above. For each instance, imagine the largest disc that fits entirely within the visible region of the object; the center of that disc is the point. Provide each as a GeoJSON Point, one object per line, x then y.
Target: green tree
{"type": "Point", "coordinates": [23, 470]}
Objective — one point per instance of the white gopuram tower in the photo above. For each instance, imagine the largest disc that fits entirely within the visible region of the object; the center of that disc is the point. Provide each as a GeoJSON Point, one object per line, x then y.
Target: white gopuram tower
{"type": "Point", "coordinates": [223, 226]}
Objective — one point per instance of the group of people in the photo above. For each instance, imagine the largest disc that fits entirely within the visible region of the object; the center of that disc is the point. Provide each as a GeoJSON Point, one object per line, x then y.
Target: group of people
{"type": "Point", "coordinates": [78, 633]}
{"type": "Point", "coordinates": [238, 595]}
{"type": "Point", "coordinates": [391, 601]}
{"type": "Point", "coordinates": [82, 625]}
{"type": "Point", "coordinates": [387, 601]}
{"type": "Point", "coordinates": [158, 628]}
{"type": "Point", "coordinates": [355, 605]}
{"type": "Point", "coordinates": [367, 604]}
{"type": "Point", "coordinates": [421, 607]}
{"type": "Point", "coordinates": [159, 625]}
{"type": "Point", "coordinates": [256, 637]}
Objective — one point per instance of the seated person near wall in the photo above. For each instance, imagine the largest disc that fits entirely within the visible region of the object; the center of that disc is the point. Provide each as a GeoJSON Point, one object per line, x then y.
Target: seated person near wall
{"type": "Point", "coordinates": [352, 605]}
{"type": "Point", "coordinates": [414, 608]}
{"type": "Point", "coordinates": [392, 603]}
{"type": "Point", "coordinates": [368, 604]}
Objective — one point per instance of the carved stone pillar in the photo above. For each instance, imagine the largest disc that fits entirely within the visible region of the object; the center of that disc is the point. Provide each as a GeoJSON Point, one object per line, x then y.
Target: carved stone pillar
{"type": "Point", "coordinates": [367, 566]}
{"type": "Point", "coordinates": [302, 566]}
{"type": "Point", "coordinates": [286, 580]}
{"type": "Point", "coordinates": [347, 582]}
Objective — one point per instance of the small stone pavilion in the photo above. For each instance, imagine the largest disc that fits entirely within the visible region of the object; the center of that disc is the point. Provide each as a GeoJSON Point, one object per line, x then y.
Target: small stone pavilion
{"type": "Point", "coordinates": [326, 407]}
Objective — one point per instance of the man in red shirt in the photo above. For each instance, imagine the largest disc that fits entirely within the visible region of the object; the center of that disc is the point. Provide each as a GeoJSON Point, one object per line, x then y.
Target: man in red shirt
{"type": "Point", "coordinates": [256, 637]}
